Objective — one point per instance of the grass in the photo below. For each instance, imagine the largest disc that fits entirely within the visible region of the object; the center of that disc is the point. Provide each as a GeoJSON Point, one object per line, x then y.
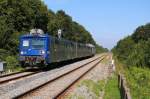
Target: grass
{"type": "Point", "coordinates": [138, 80]}
{"type": "Point", "coordinates": [75, 97]}
{"type": "Point", "coordinates": [111, 88]}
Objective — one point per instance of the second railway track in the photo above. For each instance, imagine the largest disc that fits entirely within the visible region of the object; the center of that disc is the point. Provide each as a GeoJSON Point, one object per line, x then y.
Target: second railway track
{"type": "Point", "coordinates": [15, 76]}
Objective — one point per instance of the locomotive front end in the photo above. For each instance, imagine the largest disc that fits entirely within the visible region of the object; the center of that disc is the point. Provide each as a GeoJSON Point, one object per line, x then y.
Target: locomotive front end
{"type": "Point", "coordinates": [33, 49]}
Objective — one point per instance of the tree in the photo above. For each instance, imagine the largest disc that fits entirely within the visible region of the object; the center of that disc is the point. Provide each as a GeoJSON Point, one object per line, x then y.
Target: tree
{"type": "Point", "coordinates": [141, 33]}
{"type": "Point", "coordinates": [18, 17]}
{"type": "Point", "coordinates": [124, 48]}
{"type": "Point", "coordinates": [134, 50]}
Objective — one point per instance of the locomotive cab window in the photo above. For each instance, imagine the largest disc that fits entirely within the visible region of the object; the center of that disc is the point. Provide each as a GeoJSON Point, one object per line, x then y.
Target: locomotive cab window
{"type": "Point", "coordinates": [25, 43]}
{"type": "Point", "coordinates": [37, 43]}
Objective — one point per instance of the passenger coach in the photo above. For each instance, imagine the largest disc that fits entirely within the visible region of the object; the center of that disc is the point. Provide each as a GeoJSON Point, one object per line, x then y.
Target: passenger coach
{"type": "Point", "coordinates": [39, 48]}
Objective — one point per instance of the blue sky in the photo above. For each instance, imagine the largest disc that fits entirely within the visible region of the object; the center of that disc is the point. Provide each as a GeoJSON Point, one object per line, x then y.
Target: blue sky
{"type": "Point", "coordinates": [107, 20]}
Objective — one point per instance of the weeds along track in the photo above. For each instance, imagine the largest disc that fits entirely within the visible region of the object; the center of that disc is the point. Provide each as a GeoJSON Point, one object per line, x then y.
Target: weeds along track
{"type": "Point", "coordinates": [55, 87]}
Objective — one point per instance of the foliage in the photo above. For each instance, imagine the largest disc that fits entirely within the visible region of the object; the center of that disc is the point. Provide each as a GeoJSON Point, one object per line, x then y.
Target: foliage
{"type": "Point", "coordinates": [123, 48]}
{"type": "Point", "coordinates": [142, 33]}
{"type": "Point", "coordinates": [137, 80]}
{"type": "Point", "coordinates": [17, 17]}
{"type": "Point", "coordinates": [4, 54]}
{"type": "Point", "coordinates": [134, 50]}
{"type": "Point", "coordinates": [100, 49]}
{"type": "Point", "coordinates": [11, 62]}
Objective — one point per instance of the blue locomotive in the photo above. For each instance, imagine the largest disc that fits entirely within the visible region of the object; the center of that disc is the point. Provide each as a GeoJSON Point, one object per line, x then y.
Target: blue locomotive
{"type": "Point", "coordinates": [39, 48]}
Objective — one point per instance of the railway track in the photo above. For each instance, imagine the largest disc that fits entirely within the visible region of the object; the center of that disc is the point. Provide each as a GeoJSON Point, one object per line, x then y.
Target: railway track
{"type": "Point", "coordinates": [15, 76]}
{"type": "Point", "coordinates": [39, 91]}
{"type": "Point", "coordinates": [5, 75]}
{"type": "Point", "coordinates": [19, 72]}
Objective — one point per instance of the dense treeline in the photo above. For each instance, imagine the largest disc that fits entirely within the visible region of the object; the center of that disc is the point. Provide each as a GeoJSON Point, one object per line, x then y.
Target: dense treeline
{"type": "Point", "coordinates": [18, 17]}
{"type": "Point", "coordinates": [134, 50]}
{"type": "Point", "coordinates": [100, 49]}
{"type": "Point", "coordinates": [133, 53]}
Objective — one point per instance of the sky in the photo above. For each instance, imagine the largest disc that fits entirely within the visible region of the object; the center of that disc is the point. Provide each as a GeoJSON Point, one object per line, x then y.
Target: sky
{"type": "Point", "coordinates": [107, 20]}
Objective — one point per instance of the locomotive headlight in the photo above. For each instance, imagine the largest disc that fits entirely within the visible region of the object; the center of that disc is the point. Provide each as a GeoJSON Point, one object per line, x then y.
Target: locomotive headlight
{"type": "Point", "coordinates": [42, 52]}
{"type": "Point", "coordinates": [21, 52]}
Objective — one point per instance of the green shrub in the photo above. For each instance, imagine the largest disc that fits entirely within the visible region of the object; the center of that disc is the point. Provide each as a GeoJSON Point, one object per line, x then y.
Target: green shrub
{"type": "Point", "coordinates": [3, 54]}
{"type": "Point", "coordinates": [11, 63]}
{"type": "Point", "coordinates": [138, 80]}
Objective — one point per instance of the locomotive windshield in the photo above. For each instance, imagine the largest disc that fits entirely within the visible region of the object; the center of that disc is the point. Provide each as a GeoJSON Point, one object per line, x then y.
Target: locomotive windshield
{"type": "Point", "coordinates": [34, 43]}
{"type": "Point", "coordinates": [37, 43]}
{"type": "Point", "coordinates": [25, 43]}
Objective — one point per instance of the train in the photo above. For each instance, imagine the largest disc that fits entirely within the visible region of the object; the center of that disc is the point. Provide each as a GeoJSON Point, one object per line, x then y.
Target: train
{"type": "Point", "coordinates": [37, 47]}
